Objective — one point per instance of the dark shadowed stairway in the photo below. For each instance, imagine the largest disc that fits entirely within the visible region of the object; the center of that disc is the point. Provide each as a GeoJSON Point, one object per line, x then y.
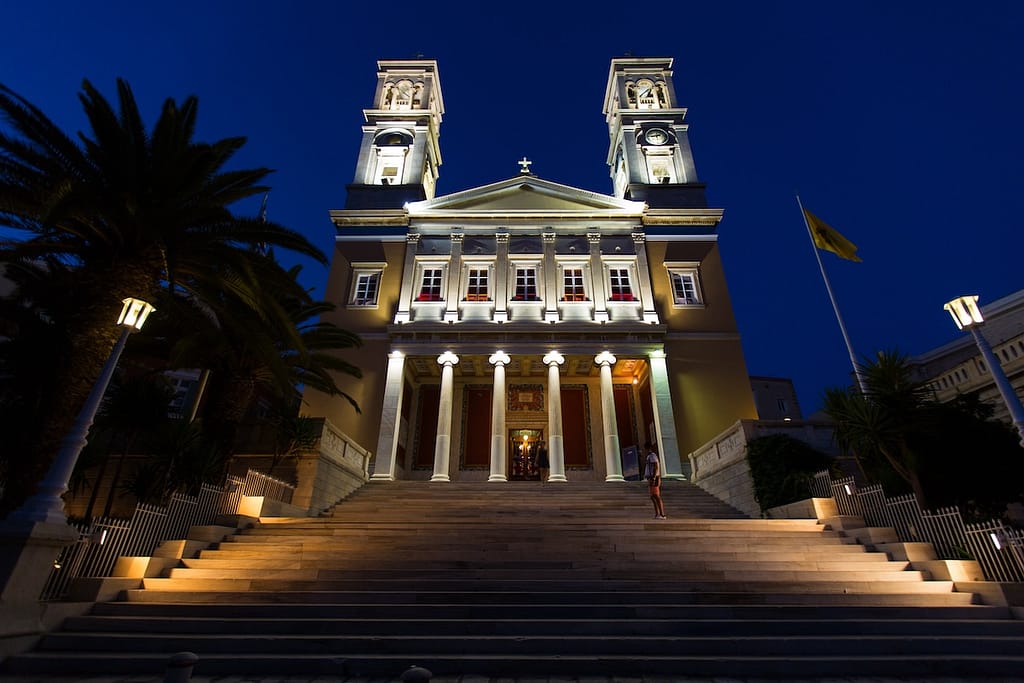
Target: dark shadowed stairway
{"type": "Point", "coordinates": [528, 579]}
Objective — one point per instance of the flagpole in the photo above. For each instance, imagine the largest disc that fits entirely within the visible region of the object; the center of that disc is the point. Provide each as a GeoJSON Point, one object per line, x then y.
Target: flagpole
{"type": "Point", "coordinates": [832, 297]}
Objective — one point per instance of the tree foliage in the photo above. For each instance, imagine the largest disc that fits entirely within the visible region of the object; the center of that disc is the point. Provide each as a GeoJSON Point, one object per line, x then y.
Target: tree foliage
{"type": "Point", "coordinates": [782, 469]}
{"type": "Point", "coordinates": [120, 210]}
{"type": "Point", "coordinates": [945, 453]}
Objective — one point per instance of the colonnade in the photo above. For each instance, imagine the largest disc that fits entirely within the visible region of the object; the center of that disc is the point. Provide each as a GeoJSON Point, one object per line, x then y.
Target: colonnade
{"type": "Point", "coordinates": [390, 418]}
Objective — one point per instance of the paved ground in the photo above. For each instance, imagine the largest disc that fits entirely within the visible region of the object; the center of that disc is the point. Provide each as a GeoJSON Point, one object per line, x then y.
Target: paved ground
{"type": "Point", "coordinates": [484, 679]}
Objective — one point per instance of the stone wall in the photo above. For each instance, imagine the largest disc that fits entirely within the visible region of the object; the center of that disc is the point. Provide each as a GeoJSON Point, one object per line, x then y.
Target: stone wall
{"type": "Point", "coordinates": [336, 468]}
{"type": "Point", "coordinates": [720, 466]}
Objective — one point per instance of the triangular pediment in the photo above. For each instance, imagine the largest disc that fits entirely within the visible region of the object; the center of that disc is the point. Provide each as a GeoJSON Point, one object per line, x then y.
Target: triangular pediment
{"type": "Point", "coordinates": [525, 194]}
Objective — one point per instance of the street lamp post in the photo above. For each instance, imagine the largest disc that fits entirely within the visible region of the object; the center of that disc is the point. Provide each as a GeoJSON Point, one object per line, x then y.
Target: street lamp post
{"type": "Point", "coordinates": [46, 505]}
{"type": "Point", "coordinates": [967, 316]}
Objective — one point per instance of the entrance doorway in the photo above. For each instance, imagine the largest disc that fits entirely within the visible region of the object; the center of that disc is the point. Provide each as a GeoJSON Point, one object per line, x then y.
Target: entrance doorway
{"type": "Point", "coordinates": [522, 449]}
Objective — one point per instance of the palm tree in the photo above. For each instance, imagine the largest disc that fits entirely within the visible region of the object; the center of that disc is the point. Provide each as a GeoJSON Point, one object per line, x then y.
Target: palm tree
{"type": "Point", "coordinates": [273, 346]}
{"type": "Point", "coordinates": [888, 419]}
{"type": "Point", "coordinates": [128, 211]}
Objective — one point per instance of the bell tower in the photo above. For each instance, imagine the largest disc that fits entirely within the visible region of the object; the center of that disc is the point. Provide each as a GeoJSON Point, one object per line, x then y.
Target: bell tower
{"type": "Point", "coordinates": [399, 155]}
{"type": "Point", "coordinates": [649, 153]}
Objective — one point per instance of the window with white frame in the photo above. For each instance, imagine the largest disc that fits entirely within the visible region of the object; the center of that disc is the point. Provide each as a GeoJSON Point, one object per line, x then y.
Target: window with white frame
{"type": "Point", "coordinates": [619, 288]}
{"type": "Point", "coordinates": [366, 279]}
{"type": "Point", "coordinates": [685, 285]}
{"type": "Point", "coordinates": [526, 284]}
{"type": "Point", "coordinates": [431, 282]}
{"type": "Point", "coordinates": [573, 288]}
{"type": "Point", "coordinates": [477, 284]}
{"type": "Point", "coordinates": [661, 169]}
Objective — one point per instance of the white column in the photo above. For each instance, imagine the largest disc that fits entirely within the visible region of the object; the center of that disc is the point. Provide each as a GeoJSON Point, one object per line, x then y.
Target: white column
{"type": "Point", "coordinates": [390, 418]}
{"type": "Point", "coordinates": [643, 274]}
{"type": "Point", "coordinates": [501, 269]}
{"type": "Point", "coordinates": [556, 447]}
{"type": "Point", "coordinates": [551, 284]}
{"type": "Point", "coordinates": [664, 417]}
{"type": "Point", "coordinates": [597, 279]}
{"type": "Point", "coordinates": [499, 437]}
{"type": "Point", "coordinates": [408, 273]}
{"type": "Point", "coordinates": [451, 313]}
{"type": "Point", "coordinates": [443, 443]}
{"type": "Point", "coordinates": [613, 462]}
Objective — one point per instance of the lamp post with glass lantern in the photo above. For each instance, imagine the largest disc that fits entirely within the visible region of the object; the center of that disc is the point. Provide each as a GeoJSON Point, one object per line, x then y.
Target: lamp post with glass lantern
{"type": "Point", "coordinates": [46, 505]}
{"type": "Point", "coordinates": [967, 316]}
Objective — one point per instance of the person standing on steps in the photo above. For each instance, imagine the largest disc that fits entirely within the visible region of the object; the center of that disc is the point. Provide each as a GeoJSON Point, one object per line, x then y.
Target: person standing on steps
{"type": "Point", "coordinates": [542, 461]}
{"type": "Point", "coordinates": [653, 475]}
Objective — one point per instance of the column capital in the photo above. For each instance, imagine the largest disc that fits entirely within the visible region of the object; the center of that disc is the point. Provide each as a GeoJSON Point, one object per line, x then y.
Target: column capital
{"type": "Point", "coordinates": [594, 237]}
{"type": "Point", "coordinates": [447, 358]}
{"type": "Point", "coordinates": [605, 358]}
{"type": "Point", "coordinates": [553, 358]}
{"type": "Point", "coordinates": [412, 238]}
{"type": "Point", "coordinates": [501, 237]}
{"type": "Point", "coordinates": [456, 237]}
{"type": "Point", "coordinates": [548, 236]}
{"type": "Point", "coordinates": [499, 358]}
{"type": "Point", "coordinates": [638, 237]}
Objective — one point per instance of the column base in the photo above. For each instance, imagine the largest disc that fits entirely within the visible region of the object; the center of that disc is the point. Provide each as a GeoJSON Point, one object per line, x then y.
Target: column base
{"type": "Point", "coordinates": [675, 477]}
{"type": "Point", "coordinates": [497, 477]}
{"type": "Point", "coordinates": [440, 477]}
{"type": "Point", "coordinates": [614, 477]}
{"type": "Point", "coordinates": [551, 316]}
{"type": "Point", "coordinates": [451, 316]}
{"type": "Point", "coordinates": [381, 477]}
{"type": "Point", "coordinates": [557, 478]}
{"type": "Point", "coordinates": [601, 316]}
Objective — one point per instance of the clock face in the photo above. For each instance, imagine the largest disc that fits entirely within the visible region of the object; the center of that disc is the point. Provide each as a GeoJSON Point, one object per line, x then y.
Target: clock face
{"type": "Point", "coordinates": [656, 136]}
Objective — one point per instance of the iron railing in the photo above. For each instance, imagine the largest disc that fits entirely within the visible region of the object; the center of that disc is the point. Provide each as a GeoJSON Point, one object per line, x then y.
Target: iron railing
{"type": "Point", "coordinates": [997, 547]}
{"type": "Point", "coordinates": [101, 542]}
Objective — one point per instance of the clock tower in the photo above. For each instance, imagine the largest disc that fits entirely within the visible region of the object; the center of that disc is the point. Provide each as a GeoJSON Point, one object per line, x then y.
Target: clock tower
{"type": "Point", "coordinates": [649, 153]}
{"type": "Point", "coordinates": [399, 154]}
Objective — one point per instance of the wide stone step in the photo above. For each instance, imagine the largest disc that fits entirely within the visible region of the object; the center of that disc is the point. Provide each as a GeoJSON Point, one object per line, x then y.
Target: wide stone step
{"type": "Point", "coordinates": [570, 574]}
{"type": "Point", "coordinates": [912, 583]}
{"type": "Point", "coordinates": [185, 592]}
{"type": "Point", "coordinates": [566, 645]}
{"type": "Point", "coordinates": [628, 561]}
{"type": "Point", "coordinates": [480, 626]}
{"type": "Point", "coordinates": [546, 608]}
{"type": "Point", "coordinates": [631, 666]}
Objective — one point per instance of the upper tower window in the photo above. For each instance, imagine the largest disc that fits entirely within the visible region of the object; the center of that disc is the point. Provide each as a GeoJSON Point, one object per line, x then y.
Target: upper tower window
{"type": "Point", "coordinates": [392, 149]}
{"type": "Point", "coordinates": [401, 96]}
{"type": "Point", "coordinates": [647, 95]}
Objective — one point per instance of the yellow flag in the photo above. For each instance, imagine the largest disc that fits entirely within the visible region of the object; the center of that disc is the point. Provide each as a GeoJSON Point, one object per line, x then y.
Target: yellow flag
{"type": "Point", "coordinates": [829, 239]}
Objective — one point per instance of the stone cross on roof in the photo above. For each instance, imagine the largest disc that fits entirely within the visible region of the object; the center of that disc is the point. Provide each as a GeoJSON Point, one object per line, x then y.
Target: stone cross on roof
{"type": "Point", "coordinates": [525, 163]}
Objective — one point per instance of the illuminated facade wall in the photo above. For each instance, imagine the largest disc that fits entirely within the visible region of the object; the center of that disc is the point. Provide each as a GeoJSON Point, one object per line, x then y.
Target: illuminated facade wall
{"type": "Point", "coordinates": [528, 314]}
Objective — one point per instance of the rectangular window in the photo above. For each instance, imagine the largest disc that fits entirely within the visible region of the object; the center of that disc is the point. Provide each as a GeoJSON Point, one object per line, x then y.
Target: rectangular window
{"type": "Point", "coordinates": [367, 285]}
{"type": "Point", "coordinates": [477, 285]}
{"type": "Point", "coordinates": [526, 285]}
{"type": "Point", "coordinates": [684, 288]}
{"type": "Point", "coordinates": [573, 285]}
{"type": "Point", "coordinates": [619, 288]}
{"type": "Point", "coordinates": [430, 285]}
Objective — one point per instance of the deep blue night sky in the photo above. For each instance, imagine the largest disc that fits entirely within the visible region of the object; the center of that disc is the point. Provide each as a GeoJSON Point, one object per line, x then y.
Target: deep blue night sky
{"type": "Point", "coordinates": [898, 123]}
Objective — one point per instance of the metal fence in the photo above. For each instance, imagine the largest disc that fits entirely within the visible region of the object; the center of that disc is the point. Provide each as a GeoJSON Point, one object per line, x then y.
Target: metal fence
{"type": "Point", "coordinates": [104, 540]}
{"type": "Point", "coordinates": [997, 547]}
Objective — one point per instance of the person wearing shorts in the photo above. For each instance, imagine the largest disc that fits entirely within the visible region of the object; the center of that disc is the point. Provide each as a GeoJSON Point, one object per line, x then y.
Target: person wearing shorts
{"type": "Point", "coordinates": [653, 475]}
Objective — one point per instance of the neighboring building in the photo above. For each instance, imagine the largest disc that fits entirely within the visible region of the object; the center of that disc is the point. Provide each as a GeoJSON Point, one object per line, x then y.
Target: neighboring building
{"type": "Point", "coordinates": [775, 398]}
{"type": "Point", "coordinates": [958, 368]}
{"type": "Point", "coordinates": [528, 312]}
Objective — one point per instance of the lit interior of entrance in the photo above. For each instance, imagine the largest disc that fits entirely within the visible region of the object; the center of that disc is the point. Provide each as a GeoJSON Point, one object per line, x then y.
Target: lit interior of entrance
{"type": "Point", "coordinates": [522, 451]}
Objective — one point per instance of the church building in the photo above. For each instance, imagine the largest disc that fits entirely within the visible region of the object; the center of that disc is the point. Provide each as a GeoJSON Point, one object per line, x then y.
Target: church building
{"type": "Point", "coordinates": [526, 315]}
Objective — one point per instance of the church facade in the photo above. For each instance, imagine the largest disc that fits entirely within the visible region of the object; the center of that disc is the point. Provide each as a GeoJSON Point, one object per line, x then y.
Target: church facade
{"type": "Point", "coordinates": [526, 317]}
